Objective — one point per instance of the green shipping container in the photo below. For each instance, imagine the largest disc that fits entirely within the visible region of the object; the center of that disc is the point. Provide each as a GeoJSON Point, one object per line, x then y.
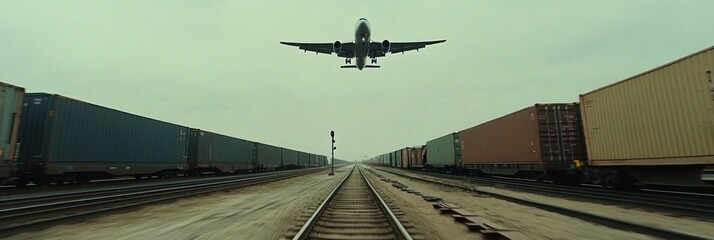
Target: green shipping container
{"type": "Point", "coordinates": [212, 152]}
{"type": "Point", "coordinates": [290, 158]}
{"type": "Point", "coordinates": [444, 151]}
{"type": "Point", "coordinates": [267, 156]}
{"type": "Point", "coordinates": [303, 159]}
{"type": "Point", "coordinates": [398, 159]}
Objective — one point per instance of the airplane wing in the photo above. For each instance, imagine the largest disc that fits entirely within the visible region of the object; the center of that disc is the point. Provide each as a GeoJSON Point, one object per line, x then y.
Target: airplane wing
{"type": "Point", "coordinates": [348, 48]}
{"type": "Point", "coordinates": [375, 48]}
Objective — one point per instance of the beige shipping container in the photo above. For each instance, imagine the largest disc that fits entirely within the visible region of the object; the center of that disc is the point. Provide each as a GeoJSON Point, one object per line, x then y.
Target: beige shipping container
{"type": "Point", "coordinates": [664, 116]}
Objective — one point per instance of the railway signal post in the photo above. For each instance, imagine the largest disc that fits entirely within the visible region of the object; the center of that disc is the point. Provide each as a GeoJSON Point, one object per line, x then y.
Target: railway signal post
{"type": "Point", "coordinates": [332, 160]}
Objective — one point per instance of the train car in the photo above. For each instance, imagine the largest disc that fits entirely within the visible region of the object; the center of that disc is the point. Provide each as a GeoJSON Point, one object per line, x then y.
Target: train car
{"type": "Point", "coordinates": [267, 157]}
{"type": "Point", "coordinates": [323, 160]}
{"type": "Point", "coordinates": [290, 159]}
{"type": "Point", "coordinates": [11, 99]}
{"type": "Point", "coordinates": [656, 127]}
{"type": "Point", "coordinates": [540, 141]}
{"type": "Point", "coordinates": [64, 139]}
{"type": "Point", "coordinates": [312, 160]}
{"type": "Point", "coordinates": [398, 158]}
{"type": "Point", "coordinates": [303, 159]}
{"type": "Point", "coordinates": [212, 152]}
{"type": "Point", "coordinates": [416, 157]}
{"type": "Point", "coordinates": [444, 152]}
{"type": "Point", "coordinates": [405, 157]}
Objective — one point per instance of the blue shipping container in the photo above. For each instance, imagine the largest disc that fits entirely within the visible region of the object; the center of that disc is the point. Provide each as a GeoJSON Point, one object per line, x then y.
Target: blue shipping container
{"type": "Point", "coordinates": [60, 135]}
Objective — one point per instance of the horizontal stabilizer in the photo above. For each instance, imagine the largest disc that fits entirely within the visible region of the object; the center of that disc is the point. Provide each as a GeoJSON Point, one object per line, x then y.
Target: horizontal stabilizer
{"type": "Point", "coordinates": [355, 66]}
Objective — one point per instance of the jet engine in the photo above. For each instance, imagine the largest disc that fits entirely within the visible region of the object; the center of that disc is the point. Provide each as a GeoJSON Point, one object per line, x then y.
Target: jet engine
{"type": "Point", "coordinates": [386, 46]}
{"type": "Point", "coordinates": [337, 47]}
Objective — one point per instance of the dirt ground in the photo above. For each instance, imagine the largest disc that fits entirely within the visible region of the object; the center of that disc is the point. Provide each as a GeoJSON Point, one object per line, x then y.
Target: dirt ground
{"type": "Point", "coordinates": [697, 226]}
{"type": "Point", "coordinates": [254, 212]}
{"type": "Point", "coordinates": [530, 221]}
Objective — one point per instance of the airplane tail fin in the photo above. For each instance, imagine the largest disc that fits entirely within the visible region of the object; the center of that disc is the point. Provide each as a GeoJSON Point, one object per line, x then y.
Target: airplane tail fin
{"type": "Point", "coordinates": [355, 66]}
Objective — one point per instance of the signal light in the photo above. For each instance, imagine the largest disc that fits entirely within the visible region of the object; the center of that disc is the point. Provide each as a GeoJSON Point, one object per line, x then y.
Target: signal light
{"type": "Point", "coordinates": [332, 133]}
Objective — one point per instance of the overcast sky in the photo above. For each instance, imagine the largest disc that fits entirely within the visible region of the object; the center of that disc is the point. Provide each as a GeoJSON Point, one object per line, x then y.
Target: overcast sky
{"type": "Point", "coordinates": [218, 66]}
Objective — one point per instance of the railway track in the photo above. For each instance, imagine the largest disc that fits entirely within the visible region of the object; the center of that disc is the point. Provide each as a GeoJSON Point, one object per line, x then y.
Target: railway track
{"type": "Point", "coordinates": [353, 210]}
{"type": "Point", "coordinates": [624, 224]}
{"type": "Point", "coordinates": [696, 206]}
{"type": "Point", "coordinates": [20, 213]}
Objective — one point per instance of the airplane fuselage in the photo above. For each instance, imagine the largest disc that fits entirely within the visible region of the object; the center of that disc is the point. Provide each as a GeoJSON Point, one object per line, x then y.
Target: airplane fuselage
{"type": "Point", "coordinates": [362, 35]}
{"type": "Point", "coordinates": [362, 47]}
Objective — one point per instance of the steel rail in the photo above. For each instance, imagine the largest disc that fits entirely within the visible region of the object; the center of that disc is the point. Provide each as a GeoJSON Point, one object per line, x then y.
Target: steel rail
{"type": "Point", "coordinates": [27, 199]}
{"type": "Point", "coordinates": [18, 218]}
{"type": "Point", "coordinates": [385, 208]}
{"type": "Point", "coordinates": [697, 206]}
{"type": "Point", "coordinates": [306, 229]}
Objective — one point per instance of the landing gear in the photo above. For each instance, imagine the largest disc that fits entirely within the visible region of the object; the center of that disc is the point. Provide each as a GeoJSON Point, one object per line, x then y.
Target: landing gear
{"type": "Point", "coordinates": [348, 61]}
{"type": "Point", "coordinates": [374, 60]}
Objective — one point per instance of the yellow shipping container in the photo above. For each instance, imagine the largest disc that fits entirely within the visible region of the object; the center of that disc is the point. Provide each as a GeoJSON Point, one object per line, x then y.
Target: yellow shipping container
{"type": "Point", "coordinates": [664, 116]}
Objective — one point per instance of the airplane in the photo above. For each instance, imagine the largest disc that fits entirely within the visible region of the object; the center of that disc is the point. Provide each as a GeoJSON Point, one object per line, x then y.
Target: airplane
{"type": "Point", "coordinates": [362, 47]}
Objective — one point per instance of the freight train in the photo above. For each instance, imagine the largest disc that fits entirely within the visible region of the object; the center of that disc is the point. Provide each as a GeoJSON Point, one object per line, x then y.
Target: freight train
{"type": "Point", "coordinates": [50, 138]}
{"type": "Point", "coordinates": [655, 128]}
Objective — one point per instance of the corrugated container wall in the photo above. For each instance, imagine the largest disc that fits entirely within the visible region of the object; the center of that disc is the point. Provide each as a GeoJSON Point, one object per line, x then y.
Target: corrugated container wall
{"type": "Point", "coordinates": [267, 156]}
{"type": "Point", "coordinates": [208, 150]}
{"type": "Point", "coordinates": [545, 136]}
{"type": "Point", "coordinates": [320, 160]}
{"type": "Point", "coordinates": [405, 157]}
{"type": "Point", "coordinates": [398, 158]}
{"type": "Point", "coordinates": [290, 158]}
{"type": "Point", "coordinates": [444, 151]}
{"type": "Point", "coordinates": [661, 117]}
{"type": "Point", "coordinates": [313, 160]}
{"type": "Point", "coordinates": [416, 157]}
{"type": "Point", "coordinates": [11, 99]}
{"type": "Point", "coordinates": [66, 135]}
{"type": "Point", "coordinates": [303, 159]}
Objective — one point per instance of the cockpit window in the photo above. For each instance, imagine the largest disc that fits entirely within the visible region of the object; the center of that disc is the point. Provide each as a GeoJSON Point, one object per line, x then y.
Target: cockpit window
{"type": "Point", "coordinates": [363, 19]}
